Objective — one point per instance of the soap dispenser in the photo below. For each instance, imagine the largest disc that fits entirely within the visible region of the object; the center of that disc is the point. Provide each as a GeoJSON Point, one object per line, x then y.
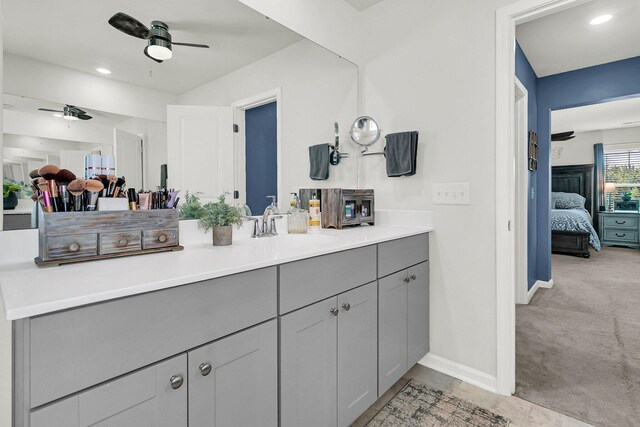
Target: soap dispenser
{"type": "Point", "coordinates": [298, 219]}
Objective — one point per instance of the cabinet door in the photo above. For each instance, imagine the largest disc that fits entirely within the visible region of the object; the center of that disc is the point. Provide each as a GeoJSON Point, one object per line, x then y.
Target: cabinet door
{"type": "Point", "coordinates": [144, 398]}
{"type": "Point", "coordinates": [418, 312]}
{"type": "Point", "coordinates": [357, 352]}
{"type": "Point", "coordinates": [234, 381]}
{"type": "Point", "coordinates": [392, 330]}
{"type": "Point", "coordinates": [308, 366]}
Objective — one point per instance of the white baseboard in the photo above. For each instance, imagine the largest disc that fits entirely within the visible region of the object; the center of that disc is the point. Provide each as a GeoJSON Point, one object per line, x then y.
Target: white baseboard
{"type": "Point", "coordinates": [536, 286]}
{"type": "Point", "coordinates": [461, 372]}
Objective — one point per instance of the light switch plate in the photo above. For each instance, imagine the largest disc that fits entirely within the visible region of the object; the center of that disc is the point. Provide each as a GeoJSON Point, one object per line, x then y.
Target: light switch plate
{"type": "Point", "coordinates": [452, 194]}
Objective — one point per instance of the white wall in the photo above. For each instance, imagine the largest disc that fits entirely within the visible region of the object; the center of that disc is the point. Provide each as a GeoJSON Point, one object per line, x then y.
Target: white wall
{"type": "Point", "coordinates": [330, 23]}
{"type": "Point", "coordinates": [39, 80]}
{"type": "Point", "coordinates": [579, 150]}
{"type": "Point", "coordinates": [154, 134]}
{"type": "Point", "coordinates": [318, 89]}
{"type": "Point", "coordinates": [430, 67]}
{"type": "Point", "coordinates": [5, 325]}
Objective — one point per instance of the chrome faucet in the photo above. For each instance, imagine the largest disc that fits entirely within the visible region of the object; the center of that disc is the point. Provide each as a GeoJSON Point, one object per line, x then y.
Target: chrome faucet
{"type": "Point", "coordinates": [268, 227]}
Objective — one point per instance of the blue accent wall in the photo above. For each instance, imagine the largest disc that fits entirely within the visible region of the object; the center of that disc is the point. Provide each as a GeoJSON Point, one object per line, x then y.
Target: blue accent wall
{"type": "Point", "coordinates": [261, 156]}
{"type": "Point", "coordinates": [528, 77]}
{"type": "Point", "coordinates": [592, 85]}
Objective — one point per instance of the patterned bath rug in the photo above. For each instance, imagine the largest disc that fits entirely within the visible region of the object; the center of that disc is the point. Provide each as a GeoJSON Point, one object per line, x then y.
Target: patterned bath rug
{"type": "Point", "coordinates": [417, 405]}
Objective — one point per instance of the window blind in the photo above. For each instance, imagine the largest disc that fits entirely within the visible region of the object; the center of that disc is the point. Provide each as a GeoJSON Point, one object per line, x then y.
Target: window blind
{"type": "Point", "coordinates": [623, 169]}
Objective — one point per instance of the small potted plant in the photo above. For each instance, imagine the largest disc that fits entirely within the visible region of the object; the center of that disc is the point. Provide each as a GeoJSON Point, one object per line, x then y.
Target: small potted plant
{"type": "Point", "coordinates": [191, 208]}
{"type": "Point", "coordinates": [221, 217]}
{"type": "Point", "coordinates": [10, 190]}
{"type": "Point", "coordinates": [626, 196]}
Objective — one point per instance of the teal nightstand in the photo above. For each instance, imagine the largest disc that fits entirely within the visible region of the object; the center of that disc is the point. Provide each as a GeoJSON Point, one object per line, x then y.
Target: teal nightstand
{"type": "Point", "coordinates": [620, 228]}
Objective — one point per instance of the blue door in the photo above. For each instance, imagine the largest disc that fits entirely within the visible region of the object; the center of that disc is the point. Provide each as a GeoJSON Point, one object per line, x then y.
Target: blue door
{"type": "Point", "coordinates": [261, 156]}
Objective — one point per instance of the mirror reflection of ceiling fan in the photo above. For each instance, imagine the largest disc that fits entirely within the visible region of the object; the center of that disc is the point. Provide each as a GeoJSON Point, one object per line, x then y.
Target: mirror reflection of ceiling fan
{"type": "Point", "coordinates": [70, 112]}
{"type": "Point", "coordinates": [159, 43]}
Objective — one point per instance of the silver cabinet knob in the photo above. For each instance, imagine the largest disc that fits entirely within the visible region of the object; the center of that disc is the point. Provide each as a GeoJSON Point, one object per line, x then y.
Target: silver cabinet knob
{"type": "Point", "coordinates": [74, 247]}
{"type": "Point", "coordinates": [413, 277]}
{"type": "Point", "coordinates": [334, 311]}
{"type": "Point", "coordinates": [176, 381]}
{"type": "Point", "coordinates": [205, 369]}
{"type": "Point", "coordinates": [406, 280]}
{"type": "Point", "coordinates": [162, 238]}
{"type": "Point", "coordinates": [122, 242]}
{"type": "Point", "coordinates": [346, 306]}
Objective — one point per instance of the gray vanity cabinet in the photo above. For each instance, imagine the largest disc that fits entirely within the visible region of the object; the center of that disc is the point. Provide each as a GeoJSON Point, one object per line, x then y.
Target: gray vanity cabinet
{"type": "Point", "coordinates": [234, 381]}
{"type": "Point", "coordinates": [328, 359]}
{"type": "Point", "coordinates": [403, 329]}
{"type": "Point", "coordinates": [153, 396]}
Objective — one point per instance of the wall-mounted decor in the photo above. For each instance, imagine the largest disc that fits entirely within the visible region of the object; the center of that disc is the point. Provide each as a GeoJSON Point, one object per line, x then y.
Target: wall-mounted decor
{"type": "Point", "coordinates": [533, 151]}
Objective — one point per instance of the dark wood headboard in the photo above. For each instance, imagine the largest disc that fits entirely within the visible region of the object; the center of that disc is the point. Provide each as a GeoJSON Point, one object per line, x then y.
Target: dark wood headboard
{"type": "Point", "coordinates": [574, 179]}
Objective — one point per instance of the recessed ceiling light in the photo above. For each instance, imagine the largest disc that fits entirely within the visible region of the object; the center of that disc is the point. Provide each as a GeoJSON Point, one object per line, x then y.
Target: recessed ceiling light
{"type": "Point", "coordinates": [57, 115]}
{"type": "Point", "coordinates": [600, 19]}
{"type": "Point", "coordinates": [103, 71]}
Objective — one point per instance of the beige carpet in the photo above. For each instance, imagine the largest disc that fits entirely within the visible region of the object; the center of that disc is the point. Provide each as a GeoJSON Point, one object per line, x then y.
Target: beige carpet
{"type": "Point", "coordinates": [578, 344]}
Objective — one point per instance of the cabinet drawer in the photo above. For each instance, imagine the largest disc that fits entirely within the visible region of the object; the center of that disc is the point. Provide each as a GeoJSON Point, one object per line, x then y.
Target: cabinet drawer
{"type": "Point", "coordinates": [621, 221]}
{"type": "Point", "coordinates": [142, 398]}
{"type": "Point", "coordinates": [111, 243]}
{"type": "Point", "coordinates": [399, 254]}
{"type": "Point", "coordinates": [75, 349]}
{"type": "Point", "coordinates": [623, 235]}
{"type": "Point", "coordinates": [311, 280]}
{"type": "Point", "coordinates": [159, 238]}
{"type": "Point", "coordinates": [72, 246]}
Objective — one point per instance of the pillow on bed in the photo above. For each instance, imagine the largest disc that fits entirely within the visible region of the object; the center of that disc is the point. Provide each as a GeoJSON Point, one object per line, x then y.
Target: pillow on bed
{"type": "Point", "coordinates": [567, 201]}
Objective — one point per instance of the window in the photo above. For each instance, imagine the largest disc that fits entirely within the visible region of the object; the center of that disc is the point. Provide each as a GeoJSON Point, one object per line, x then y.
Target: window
{"type": "Point", "coordinates": [623, 169]}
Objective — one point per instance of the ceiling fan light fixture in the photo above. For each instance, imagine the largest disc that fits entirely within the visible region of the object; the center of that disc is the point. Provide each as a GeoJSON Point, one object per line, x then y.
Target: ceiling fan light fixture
{"type": "Point", "coordinates": [58, 115]}
{"type": "Point", "coordinates": [159, 49]}
{"type": "Point", "coordinates": [600, 19]}
{"type": "Point", "coordinates": [70, 117]}
{"type": "Point", "coordinates": [103, 70]}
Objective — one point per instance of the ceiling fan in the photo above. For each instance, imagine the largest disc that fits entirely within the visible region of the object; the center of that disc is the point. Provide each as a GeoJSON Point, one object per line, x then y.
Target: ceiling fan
{"type": "Point", "coordinates": [70, 112]}
{"type": "Point", "coordinates": [159, 39]}
{"type": "Point", "coordinates": [563, 136]}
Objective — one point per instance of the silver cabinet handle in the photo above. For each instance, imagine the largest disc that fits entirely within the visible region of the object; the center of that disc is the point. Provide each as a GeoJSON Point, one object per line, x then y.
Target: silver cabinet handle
{"type": "Point", "coordinates": [162, 238]}
{"type": "Point", "coordinates": [346, 306]}
{"type": "Point", "coordinates": [122, 242]}
{"type": "Point", "coordinates": [74, 247]}
{"type": "Point", "coordinates": [618, 222]}
{"type": "Point", "coordinates": [334, 311]}
{"type": "Point", "coordinates": [406, 280]}
{"type": "Point", "coordinates": [413, 277]}
{"type": "Point", "coordinates": [205, 369]}
{"type": "Point", "coordinates": [176, 381]}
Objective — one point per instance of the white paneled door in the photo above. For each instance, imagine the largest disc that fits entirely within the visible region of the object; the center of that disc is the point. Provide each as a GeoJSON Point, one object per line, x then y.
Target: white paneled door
{"type": "Point", "coordinates": [128, 153]}
{"type": "Point", "coordinates": [200, 149]}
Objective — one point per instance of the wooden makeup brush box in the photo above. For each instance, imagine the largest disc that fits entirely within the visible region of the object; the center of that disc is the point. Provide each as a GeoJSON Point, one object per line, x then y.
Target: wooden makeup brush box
{"type": "Point", "coordinates": [66, 237]}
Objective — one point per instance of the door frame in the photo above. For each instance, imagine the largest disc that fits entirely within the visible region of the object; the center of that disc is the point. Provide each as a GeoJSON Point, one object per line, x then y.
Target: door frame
{"type": "Point", "coordinates": [521, 224]}
{"type": "Point", "coordinates": [507, 18]}
{"type": "Point", "coordinates": [239, 141]}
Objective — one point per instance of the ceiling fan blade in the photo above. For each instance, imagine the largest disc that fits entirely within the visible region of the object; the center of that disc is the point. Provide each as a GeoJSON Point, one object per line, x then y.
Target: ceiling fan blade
{"type": "Point", "coordinates": [84, 117]}
{"type": "Point", "coordinates": [159, 61]}
{"type": "Point", "coordinates": [129, 25]}
{"type": "Point", "coordinates": [204, 46]}
{"type": "Point", "coordinates": [563, 136]}
{"type": "Point", "coordinates": [49, 110]}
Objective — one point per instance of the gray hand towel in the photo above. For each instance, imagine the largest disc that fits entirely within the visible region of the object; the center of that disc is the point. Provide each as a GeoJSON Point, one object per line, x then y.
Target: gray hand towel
{"type": "Point", "coordinates": [319, 162]}
{"type": "Point", "coordinates": [401, 152]}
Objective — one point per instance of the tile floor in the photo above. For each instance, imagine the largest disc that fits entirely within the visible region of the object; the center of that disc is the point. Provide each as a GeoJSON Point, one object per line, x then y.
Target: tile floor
{"type": "Point", "coordinates": [520, 412]}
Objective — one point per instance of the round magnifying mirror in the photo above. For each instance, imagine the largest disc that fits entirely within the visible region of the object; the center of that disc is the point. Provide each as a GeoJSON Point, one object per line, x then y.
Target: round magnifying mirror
{"type": "Point", "coordinates": [365, 131]}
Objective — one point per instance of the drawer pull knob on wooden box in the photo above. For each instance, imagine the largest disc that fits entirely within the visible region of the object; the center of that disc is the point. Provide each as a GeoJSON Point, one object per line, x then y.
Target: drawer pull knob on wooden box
{"type": "Point", "coordinates": [66, 237]}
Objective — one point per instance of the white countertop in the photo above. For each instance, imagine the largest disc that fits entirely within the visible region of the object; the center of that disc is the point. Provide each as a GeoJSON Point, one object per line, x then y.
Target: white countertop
{"type": "Point", "coordinates": [28, 290]}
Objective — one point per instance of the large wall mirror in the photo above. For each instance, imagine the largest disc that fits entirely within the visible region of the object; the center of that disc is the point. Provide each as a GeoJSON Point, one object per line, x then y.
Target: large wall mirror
{"type": "Point", "coordinates": [237, 117]}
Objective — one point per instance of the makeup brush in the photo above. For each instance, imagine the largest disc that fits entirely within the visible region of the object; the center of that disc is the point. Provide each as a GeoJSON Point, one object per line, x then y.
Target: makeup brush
{"type": "Point", "coordinates": [47, 202]}
{"type": "Point", "coordinates": [63, 178]}
{"type": "Point", "coordinates": [76, 188]}
{"type": "Point", "coordinates": [49, 172]}
{"type": "Point", "coordinates": [111, 185]}
{"type": "Point", "coordinates": [34, 174]}
{"type": "Point", "coordinates": [94, 187]}
{"type": "Point", "coordinates": [119, 184]}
